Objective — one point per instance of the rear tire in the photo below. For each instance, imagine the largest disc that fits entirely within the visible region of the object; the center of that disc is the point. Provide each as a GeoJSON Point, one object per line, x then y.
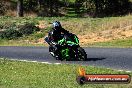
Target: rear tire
{"type": "Point", "coordinates": [82, 55]}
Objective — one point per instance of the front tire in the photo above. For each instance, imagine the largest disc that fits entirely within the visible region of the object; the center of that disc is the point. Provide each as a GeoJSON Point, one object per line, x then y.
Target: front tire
{"type": "Point", "coordinates": [52, 50]}
{"type": "Point", "coordinates": [54, 53]}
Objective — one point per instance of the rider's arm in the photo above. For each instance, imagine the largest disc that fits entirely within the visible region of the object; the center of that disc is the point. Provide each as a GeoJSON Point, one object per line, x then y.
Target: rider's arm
{"type": "Point", "coordinates": [64, 31]}
{"type": "Point", "coordinates": [50, 35]}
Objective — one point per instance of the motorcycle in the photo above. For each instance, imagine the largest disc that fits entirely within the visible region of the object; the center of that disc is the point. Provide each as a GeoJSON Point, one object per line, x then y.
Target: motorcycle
{"type": "Point", "coordinates": [67, 48]}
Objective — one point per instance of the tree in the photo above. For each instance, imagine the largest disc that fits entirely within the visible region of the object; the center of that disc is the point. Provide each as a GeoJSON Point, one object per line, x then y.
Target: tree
{"type": "Point", "coordinates": [78, 4]}
{"type": "Point", "coordinates": [20, 8]}
{"type": "Point", "coordinates": [106, 7]}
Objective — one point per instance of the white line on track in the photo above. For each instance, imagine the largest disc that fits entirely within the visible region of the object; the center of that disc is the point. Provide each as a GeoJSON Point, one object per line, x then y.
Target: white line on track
{"type": "Point", "coordinates": [120, 70]}
{"type": "Point", "coordinates": [35, 61]}
{"type": "Point", "coordinates": [45, 62]}
{"type": "Point", "coordinates": [125, 71]}
{"type": "Point", "coordinates": [128, 71]}
{"type": "Point", "coordinates": [57, 63]}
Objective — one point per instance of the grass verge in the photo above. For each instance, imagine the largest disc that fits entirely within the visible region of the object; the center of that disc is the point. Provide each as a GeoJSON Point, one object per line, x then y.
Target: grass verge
{"type": "Point", "coordinates": [18, 43]}
{"type": "Point", "coordinates": [124, 43]}
{"type": "Point", "coordinates": [17, 74]}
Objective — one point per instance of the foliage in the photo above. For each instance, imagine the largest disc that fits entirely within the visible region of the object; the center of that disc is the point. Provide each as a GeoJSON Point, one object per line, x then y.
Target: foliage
{"type": "Point", "coordinates": [28, 29]}
{"type": "Point", "coordinates": [79, 7]}
{"type": "Point", "coordinates": [8, 25]}
{"type": "Point", "coordinates": [104, 7]}
{"type": "Point", "coordinates": [10, 34]}
{"type": "Point", "coordinates": [11, 28]}
{"type": "Point", "coordinates": [3, 8]}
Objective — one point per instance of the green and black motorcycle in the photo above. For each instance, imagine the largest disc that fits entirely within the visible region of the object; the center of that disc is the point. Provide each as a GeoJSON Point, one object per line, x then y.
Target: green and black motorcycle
{"type": "Point", "coordinates": [67, 48]}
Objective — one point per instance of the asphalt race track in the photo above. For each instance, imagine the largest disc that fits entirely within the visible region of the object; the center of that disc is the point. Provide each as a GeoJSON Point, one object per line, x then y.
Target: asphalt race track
{"type": "Point", "coordinates": [116, 58]}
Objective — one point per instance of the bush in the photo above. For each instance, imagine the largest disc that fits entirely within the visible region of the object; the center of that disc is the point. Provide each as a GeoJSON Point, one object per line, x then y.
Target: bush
{"type": "Point", "coordinates": [28, 29]}
{"type": "Point", "coordinates": [1, 26]}
{"type": "Point", "coordinates": [105, 7]}
{"type": "Point", "coordinates": [8, 25]}
{"type": "Point", "coordinates": [1, 35]}
{"type": "Point", "coordinates": [8, 31]}
{"type": "Point", "coordinates": [10, 34]}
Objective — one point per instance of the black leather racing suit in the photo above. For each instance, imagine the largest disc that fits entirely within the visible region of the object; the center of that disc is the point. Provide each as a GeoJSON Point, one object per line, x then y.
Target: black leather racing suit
{"type": "Point", "coordinates": [55, 34]}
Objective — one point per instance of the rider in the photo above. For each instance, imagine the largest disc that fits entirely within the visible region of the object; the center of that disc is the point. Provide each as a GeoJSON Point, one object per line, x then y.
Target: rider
{"type": "Point", "coordinates": [55, 35]}
{"type": "Point", "coordinates": [56, 32]}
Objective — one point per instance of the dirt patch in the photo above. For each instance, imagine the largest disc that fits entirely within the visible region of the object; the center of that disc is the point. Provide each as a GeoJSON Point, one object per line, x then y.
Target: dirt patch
{"type": "Point", "coordinates": [42, 24]}
{"type": "Point", "coordinates": [107, 35]}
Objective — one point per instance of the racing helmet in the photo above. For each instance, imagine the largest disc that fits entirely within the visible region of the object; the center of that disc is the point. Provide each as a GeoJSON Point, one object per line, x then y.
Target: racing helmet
{"type": "Point", "coordinates": [57, 25]}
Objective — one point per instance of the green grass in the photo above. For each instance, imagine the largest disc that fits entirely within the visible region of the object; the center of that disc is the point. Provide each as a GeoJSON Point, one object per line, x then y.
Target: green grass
{"type": "Point", "coordinates": [16, 74]}
{"type": "Point", "coordinates": [126, 43]}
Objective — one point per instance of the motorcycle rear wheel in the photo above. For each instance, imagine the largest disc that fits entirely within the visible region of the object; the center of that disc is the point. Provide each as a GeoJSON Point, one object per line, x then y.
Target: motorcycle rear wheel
{"type": "Point", "coordinates": [81, 54]}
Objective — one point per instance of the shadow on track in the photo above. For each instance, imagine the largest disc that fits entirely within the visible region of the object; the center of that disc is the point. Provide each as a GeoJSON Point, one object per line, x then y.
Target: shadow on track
{"type": "Point", "coordinates": [94, 59]}
{"type": "Point", "coordinates": [88, 59]}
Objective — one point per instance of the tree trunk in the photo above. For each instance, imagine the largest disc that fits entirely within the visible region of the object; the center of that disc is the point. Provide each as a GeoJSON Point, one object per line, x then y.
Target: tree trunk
{"type": "Point", "coordinates": [56, 7]}
{"type": "Point", "coordinates": [51, 7]}
{"type": "Point", "coordinates": [20, 8]}
{"type": "Point", "coordinates": [39, 4]}
{"type": "Point", "coordinates": [30, 5]}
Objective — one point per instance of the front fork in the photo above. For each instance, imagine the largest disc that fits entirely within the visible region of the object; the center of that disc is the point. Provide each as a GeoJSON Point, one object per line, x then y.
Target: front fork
{"type": "Point", "coordinates": [47, 40]}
